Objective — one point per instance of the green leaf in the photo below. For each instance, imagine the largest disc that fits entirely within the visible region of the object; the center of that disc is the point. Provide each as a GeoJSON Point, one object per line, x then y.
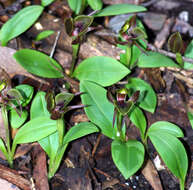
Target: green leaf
{"type": "Point", "coordinates": [154, 59]}
{"type": "Point", "coordinates": [75, 5]}
{"type": "Point", "coordinates": [3, 148]}
{"type": "Point", "coordinates": [190, 117]}
{"type": "Point", "coordinates": [166, 127]}
{"type": "Point", "coordinates": [46, 2]}
{"type": "Point", "coordinates": [38, 63]}
{"type": "Point", "coordinates": [96, 4]}
{"type": "Point", "coordinates": [50, 144]}
{"type": "Point", "coordinates": [35, 130]}
{"type": "Point", "coordinates": [172, 153]}
{"type": "Point", "coordinates": [27, 93]}
{"type": "Point", "coordinates": [189, 54]}
{"type": "Point", "coordinates": [39, 106]}
{"type": "Point", "coordinates": [98, 109]}
{"type": "Point", "coordinates": [102, 70]}
{"type": "Point", "coordinates": [17, 121]}
{"type": "Point", "coordinates": [79, 130]}
{"type": "Point", "coordinates": [19, 23]}
{"type": "Point", "coordinates": [44, 34]}
{"type": "Point", "coordinates": [119, 9]}
{"type": "Point", "coordinates": [137, 117]}
{"type": "Point", "coordinates": [128, 157]}
{"type": "Point", "coordinates": [149, 99]}
{"type": "Point", "coordinates": [125, 57]}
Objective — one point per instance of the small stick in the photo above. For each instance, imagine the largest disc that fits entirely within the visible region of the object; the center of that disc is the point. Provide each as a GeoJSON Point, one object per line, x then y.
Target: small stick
{"type": "Point", "coordinates": [167, 53]}
{"type": "Point", "coordinates": [96, 145]}
{"type": "Point", "coordinates": [55, 43]}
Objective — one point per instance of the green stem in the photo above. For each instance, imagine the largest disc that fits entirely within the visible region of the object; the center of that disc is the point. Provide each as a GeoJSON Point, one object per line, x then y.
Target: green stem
{"type": "Point", "coordinates": [119, 126]}
{"type": "Point", "coordinates": [60, 128]}
{"type": "Point", "coordinates": [8, 138]}
{"type": "Point", "coordinates": [181, 185]}
{"type": "Point", "coordinates": [75, 50]}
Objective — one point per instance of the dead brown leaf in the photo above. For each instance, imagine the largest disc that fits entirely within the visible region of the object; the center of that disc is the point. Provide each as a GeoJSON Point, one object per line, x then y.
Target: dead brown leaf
{"type": "Point", "coordinates": [151, 175]}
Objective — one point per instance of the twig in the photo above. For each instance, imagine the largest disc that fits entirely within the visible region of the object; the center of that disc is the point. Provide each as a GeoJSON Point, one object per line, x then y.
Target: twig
{"type": "Point", "coordinates": [149, 3]}
{"type": "Point", "coordinates": [96, 145]}
{"type": "Point", "coordinates": [55, 43]}
{"type": "Point", "coordinates": [167, 53]}
{"type": "Point", "coordinates": [13, 177]}
{"type": "Point", "coordinates": [152, 48]}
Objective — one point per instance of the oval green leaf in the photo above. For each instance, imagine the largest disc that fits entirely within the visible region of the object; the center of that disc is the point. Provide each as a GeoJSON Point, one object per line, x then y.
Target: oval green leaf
{"type": "Point", "coordinates": [128, 157]}
{"type": "Point", "coordinates": [96, 4]}
{"type": "Point", "coordinates": [35, 130]}
{"type": "Point", "coordinates": [79, 130]}
{"type": "Point", "coordinates": [19, 23]}
{"type": "Point", "coordinates": [166, 127]}
{"type": "Point", "coordinates": [147, 95]}
{"type": "Point", "coordinates": [98, 109]}
{"type": "Point", "coordinates": [102, 70]}
{"type": "Point", "coordinates": [137, 117]}
{"type": "Point", "coordinates": [172, 152]}
{"type": "Point", "coordinates": [119, 9]}
{"type": "Point", "coordinates": [46, 2]}
{"type": "Point", "coordinates": [154, 59]}
{"type": "Point", "coordinates": [189, 54]}
{"type": "Point", "coordinates": [17, 121]}
{"type": "Point", "coordinates": [38, 63]}
{"type": "Point", "coordinates": [44, 34]}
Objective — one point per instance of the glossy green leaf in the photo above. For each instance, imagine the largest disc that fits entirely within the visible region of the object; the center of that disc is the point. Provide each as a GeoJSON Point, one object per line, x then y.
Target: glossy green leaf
{"type": "Point", "coordinates": [79, 130]}
{"type": "Point", "coordinates": [172, 153]}
{"type": "Point", "coordinates": [99, 110]}
{"type": "Point", "coordinates": [44, 34]}
{"type": "Point", "coordinates": [128, 157]}
{"type": "Point", "coordinates": [190, 117]}
{"type": "Point", "coordinates": [17, 121]}
{"type": "Point", "coordinates": [35, 130]}
{"type": "Point", "coordinates": [46, 2]}
{"type": "Point", "coordinates": [154, 59]}
{"type": "Point", "coordinates": [27, 93]}
{"type": "Point", "coordinates": [189, 54]}
{"type": "Point", "coordinates": [118, 9]}
{"type": "Point", "coordinates": [137, 117]}
{"type": "Point", "coordinates": [102, 70]}
{"type": "Point", "coordinates": [166, 127]}
{"type": "Point", "coordinates": [96, 4]}
{"type": "Point", "coordinates": [39, 106]}
{"type": "Point", "coordinates": [19, 23]}
{"type": "Point", "coordinates": [38, 63]}
{"type": "Point", "coordinates": [147, 95]}
{"type": "Point", "coordinates": [75, 5]}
